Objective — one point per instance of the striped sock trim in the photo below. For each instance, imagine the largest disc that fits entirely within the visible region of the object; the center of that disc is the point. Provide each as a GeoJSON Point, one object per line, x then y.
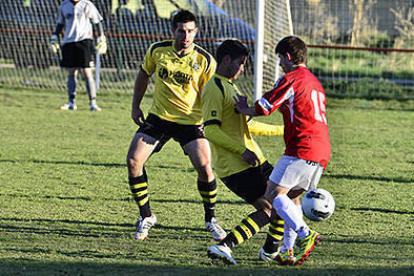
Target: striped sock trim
{"type": "Point", "coordinates": [208, 192]}
{"type": "Point", "coordinates": [274, 236]}
{"type": "Point", "coordinates": [247, 228]}
{"type": "Point", "coordinates": [276, 229]}
{"type": "Point", "coordinates": [139, 191]}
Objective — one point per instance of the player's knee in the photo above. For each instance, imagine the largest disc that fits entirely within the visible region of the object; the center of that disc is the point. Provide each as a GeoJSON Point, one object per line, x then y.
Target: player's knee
{"type": "Point", "coordinates": [263, 204]}
{"type": "Point", "coordinates": [205, 171]}
{"type": "Point", "coordinates": [134, 165]}
{"type": "Point", "coordinates": [280, 202]}
{"type": "Point", "coordinates": [269, 195]}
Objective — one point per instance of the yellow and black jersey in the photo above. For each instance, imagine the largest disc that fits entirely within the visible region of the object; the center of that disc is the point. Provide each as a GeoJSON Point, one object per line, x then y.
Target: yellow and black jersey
{"type": "Point", "coordinates": [179, 81]}
{"type": "Point", "coordinates": [219, 108]}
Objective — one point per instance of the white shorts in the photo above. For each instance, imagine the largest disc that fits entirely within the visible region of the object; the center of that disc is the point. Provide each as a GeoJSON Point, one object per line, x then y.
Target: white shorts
{"type": "Point", "coordinates": [295, 173]}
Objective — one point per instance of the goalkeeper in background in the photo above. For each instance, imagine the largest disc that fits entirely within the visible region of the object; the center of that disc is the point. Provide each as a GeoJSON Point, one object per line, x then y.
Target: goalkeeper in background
{"type": "Point", "coordinates": [237, 159]}
{"type": "Point", "coordinates": [77, 16]}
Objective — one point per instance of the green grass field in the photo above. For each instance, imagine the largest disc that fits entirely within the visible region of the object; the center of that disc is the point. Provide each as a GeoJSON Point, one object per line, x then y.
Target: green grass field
{"type": "Point", "coordinates": [65, 207]}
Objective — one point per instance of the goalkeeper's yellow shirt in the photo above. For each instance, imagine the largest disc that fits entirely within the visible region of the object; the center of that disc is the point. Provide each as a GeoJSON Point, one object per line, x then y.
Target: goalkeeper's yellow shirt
{"type": "Point", "coordinates": [219, 108]}
{"type": "Point", "coordinates": [179, 81]}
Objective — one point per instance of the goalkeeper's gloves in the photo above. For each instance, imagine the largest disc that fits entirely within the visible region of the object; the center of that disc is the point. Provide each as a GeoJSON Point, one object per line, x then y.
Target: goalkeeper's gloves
{"type": "Point", "coordinates": [101, 45]}
{"type": "Point", "coordinates": [54, 44]}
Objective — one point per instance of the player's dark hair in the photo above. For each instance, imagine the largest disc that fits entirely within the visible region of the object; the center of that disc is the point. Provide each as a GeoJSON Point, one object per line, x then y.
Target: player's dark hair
{"type": "Point", "coordinates": [182, 16]}
{"type": "Point", "coordinates": [233, 48]}
{"type": "Point", "coordinates": [295, 47]}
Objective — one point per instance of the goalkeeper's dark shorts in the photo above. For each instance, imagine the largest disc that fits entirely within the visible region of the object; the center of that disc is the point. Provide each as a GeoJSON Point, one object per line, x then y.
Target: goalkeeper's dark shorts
{"type": "Point", "coordinates": [163, 131]}
{"type": "Point", "coordinates": [249, 184]}
{"type": "Point", "coordinates": [77, 54]}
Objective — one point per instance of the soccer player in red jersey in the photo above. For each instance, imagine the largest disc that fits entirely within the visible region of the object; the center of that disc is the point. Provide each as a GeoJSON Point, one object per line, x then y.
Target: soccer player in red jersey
{"type": "Point", "coordinates": [299, 96]}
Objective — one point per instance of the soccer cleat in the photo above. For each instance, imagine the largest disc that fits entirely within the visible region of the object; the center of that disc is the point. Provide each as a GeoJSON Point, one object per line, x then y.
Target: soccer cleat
{"type": "Point", "coordinates": [286, 258]}
{"type": "Point", "coordinates": [143, 226]}
{"type": "Point", "coordinates": [267, 257]}
{"type": "Point", "coordinates": [306, 246]}
{"type": "Point", "coordinates": [96, 108]}
{"type": "Point", "coordinates": [69, 106]}
{"type": "Point", "coordinates": [222, 252]}
{"type": "Point", "coordinates": [218, 233]}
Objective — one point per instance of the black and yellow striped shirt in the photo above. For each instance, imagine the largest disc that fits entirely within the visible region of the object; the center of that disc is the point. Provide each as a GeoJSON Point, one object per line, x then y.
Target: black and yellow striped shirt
{"type": "Point", "coordinates": [179, 81]}
{"type": "Point", "coordinates": [218, 108]}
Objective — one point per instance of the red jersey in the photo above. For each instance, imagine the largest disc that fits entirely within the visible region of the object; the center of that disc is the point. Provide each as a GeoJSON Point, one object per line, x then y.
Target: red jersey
{"type": "Point", "coordinates": [301, 99]}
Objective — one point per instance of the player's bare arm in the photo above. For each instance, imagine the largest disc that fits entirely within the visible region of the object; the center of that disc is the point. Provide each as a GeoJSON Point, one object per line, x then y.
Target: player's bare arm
{"type": "Point", "coordinates": [141, 84]}
{"type": "Point", "coordinates": [243, 107]}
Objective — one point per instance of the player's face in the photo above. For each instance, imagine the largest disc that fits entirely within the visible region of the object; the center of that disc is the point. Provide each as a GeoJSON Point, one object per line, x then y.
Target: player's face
{"type": "Point", "coordinates": [184, 34]}
{"type": "Point", "coordinates": [236, 67]}
{"type": "Point", "coordinates": [285, 63]}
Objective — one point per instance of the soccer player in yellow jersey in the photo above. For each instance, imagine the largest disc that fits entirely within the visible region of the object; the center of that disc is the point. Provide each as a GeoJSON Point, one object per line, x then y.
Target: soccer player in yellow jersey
{"type": "Point", "coordinates": [237, 159]}
{"type": "Point", "coordinates": [181, 69]}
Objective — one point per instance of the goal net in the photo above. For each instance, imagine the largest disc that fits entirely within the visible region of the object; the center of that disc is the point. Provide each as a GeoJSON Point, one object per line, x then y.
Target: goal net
{"type": "Point", "coordinates": [131, 26]}
{"type": "Point", "coordinates": [355, 47]}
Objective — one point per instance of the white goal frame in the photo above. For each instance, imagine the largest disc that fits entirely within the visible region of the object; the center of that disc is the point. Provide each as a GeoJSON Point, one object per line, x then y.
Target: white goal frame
{"type": "Point", "coordinates": [259, 46]}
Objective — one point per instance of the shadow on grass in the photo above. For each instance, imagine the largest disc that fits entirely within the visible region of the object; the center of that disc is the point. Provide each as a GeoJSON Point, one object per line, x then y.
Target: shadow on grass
{"type": "Point", "coordinates": [77, 222]}
{"type": "Point", "coordinates": [87, 228]}
{"type": "Point", "coordinates": [133, 267]}
{"type": "Point", "coordinates": [107, 165]}
{"type": "Point", "coordinates": [189, 169]}
{"type": "Point", "coordinates": [64, 163]}
{"type": "Point", "coordinates": [373, 178]}
{"type": "Point", "coordinates": [383, 211]}
{"type": "Point", "coordinates": [188, 201]}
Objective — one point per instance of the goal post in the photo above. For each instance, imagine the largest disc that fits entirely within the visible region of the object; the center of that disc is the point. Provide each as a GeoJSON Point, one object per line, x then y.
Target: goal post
{"type": "Point", "coordinates": [273, 22]}
{"type": "Point", "coordinates": [258, 53]}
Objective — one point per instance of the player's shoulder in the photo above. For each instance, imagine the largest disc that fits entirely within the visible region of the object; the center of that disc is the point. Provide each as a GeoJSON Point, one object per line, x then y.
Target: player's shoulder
{"type": "Point", "coordinates": [200, 50]}
{"type": "Point", "coordinates": [204, 54]}
{"type": "Point", "coordinates": [160, 45]}
{"type": "Point", "coordinates": [306, 76]}
{"type": "Point", "coordinates": [300, 73]}
{"type": "Point", "coordinates": [219, 86]}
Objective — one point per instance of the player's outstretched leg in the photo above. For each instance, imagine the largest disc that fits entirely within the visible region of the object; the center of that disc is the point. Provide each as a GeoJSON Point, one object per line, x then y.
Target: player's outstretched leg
{"type": "Point", "coordinates": [307, 244]}
{"type": "Point", "coordinates": [244, 231]}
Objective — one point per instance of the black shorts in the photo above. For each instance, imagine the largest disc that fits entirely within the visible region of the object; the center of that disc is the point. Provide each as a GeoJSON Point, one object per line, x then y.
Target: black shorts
{"type": "Point", "coordinates": [249, 184]}
{"type": "Point", "coordinates": [163, 131]}
{"type": "Point", "coordinates": [77, 54]}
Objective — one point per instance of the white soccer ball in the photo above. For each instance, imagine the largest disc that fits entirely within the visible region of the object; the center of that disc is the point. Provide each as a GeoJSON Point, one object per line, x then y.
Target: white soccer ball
{"type": "Point", "coordinates": [318, 204]}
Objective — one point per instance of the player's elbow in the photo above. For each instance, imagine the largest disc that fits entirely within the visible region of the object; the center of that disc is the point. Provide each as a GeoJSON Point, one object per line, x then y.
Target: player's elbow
{"type": "Point", "coordinates": [209, 131]}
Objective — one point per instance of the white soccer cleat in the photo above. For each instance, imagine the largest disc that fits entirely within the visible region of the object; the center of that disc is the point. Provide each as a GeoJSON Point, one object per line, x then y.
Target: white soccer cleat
{"type": "Point", "coordinates": [96, 108]}
{"type": "Point", "coordinates": [143, 226]}
{"type": "Point", "coordinates": [218, 233]}
{"type": "Point", "coordinates": [267, 257]}
{"type": "Point", "coordinates": [222, 252]}
{"type": "Point", "coordinates": [69, 106]}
